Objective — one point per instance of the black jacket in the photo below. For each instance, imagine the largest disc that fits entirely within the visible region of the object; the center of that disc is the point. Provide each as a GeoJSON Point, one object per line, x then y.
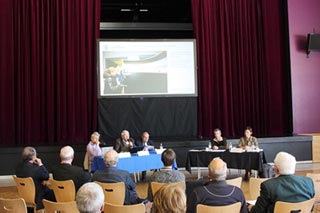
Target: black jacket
{"type": "Point", "coordinates": [38, 174]}
{"type": "Point", "coordinates": [69, 172]}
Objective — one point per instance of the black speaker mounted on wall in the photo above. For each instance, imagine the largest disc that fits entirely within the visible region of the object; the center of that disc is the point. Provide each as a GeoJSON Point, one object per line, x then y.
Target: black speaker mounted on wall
{"type": "Point", "coordinates": [313, 42]}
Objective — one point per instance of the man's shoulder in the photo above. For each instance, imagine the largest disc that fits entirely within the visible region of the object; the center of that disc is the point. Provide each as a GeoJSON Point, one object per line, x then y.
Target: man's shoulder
{"type": "Point", "coordinates": [179, 174]}
{"type": "Point", "coordinates": [123, 172]}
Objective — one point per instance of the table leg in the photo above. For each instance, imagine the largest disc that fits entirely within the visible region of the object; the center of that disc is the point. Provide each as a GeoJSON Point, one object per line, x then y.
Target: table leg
{"type": "Point", "coordinates": [135, 177]}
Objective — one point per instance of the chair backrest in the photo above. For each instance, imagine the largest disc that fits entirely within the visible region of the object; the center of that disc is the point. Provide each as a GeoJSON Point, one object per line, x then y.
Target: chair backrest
{"type": "Point", "coordinates": [114, 193]}
{"type": "Point", "coordinates": [86, 162]}
{"type": "Point", "coordinates": [314, 176]}
{"type": "Point", "coordinates": [316, 183]}
{"type": "Point", "coordinates": [155, 186]}
{"type": "Point", "coordinates": [235, 182]}
{"type": "Point", "coordinates": [64, 191]}
{"type": "Point", "coordinates": [302, 207]}
{"type": "Point", "coordinates": [26, 189]}
{"type": "Point", "coordinates": [254, 187]}
{"type": "Point", "coordinates": [219, 209]}
{"type": "Point", "coordinates": [13, 205]}
{"type": "Point", "coordinates": [137, 208]}
{"type": "Point", "coordinates": [62, 207]}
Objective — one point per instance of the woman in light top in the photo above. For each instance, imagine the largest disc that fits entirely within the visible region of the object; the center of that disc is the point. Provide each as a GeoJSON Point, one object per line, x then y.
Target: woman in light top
{"type": "Point", "coordinates": [218, 142]}
{"type": "Point", "coordinates": [248, 141]}
{"type": "Point", "coordinates": [93, 148]}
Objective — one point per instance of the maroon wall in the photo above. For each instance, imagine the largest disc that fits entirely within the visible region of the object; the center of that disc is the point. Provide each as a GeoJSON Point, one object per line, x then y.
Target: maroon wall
{"type": "Point", "coordinates": [304, 18]}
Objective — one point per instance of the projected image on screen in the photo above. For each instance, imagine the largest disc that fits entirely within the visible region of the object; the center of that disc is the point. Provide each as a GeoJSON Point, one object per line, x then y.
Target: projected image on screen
{"type": "Point", "coordinates": [132, 68]}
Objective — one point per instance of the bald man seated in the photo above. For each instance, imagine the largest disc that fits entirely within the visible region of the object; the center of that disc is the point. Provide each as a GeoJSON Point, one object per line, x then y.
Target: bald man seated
{"type": "Point", "coordinates": [113, 175]}
{"type": "Point", "coordinates": [217, 192]}
{"type": "Point", "coordinates": [286, 187]}
{"type": "Point", "coordinates": [66, 171]}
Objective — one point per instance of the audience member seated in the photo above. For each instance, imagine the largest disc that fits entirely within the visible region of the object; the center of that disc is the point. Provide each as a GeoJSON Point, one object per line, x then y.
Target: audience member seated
{"type": "Point", "coordinates": [145, 142]}
{"type": "Point", "coordinates": [93, 148]}
{"type": "Point", "coordinates": [218, 142]}
{"type": "Point", "coordinates": [286, 187]}
{"type": "Point", "coordinates": [66, 171]}
{"type": "Point", "coordinates": [217, 192]}
{"type": "Point", "coordinates": [248, 142]}
{"type": "Point", "coordinates": [33, 167]}
{"type": "Point", "coordinates": [169, 199]}
{"type": "Point", "coordinates": [166, 174]}
{"type": "Point", "coordinates": [90, 198]}
{"type": "Point", "coordinates": [125, 143]}
{"type": "Point", "coordinates": [112, 175]}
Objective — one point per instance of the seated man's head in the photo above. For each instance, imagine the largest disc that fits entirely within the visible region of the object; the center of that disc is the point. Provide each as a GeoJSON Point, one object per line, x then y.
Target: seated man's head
{"type": "Point", "coordinates": [217, 170]}
{"type": "Point", "coordinates": [90, 198]}
{"type": "Point", "coordinates": [168, 157]}
{"type": "Point", "coordinates": [125, 135]}
{"type": "Point", "coordinates": [145, 137]}
{"type": "Point", "coordinates": [29, 153]}
{"type": "Point", "coordinates": [111, 158]}
{"type": "Point", "coordinates": [66, 154]}
{"type": "Point", "coordinates": [284, 164]}
{"type": "Point", "coordinates": [169, 199]}
{"type": "Point", "coordinates": [95, 137]}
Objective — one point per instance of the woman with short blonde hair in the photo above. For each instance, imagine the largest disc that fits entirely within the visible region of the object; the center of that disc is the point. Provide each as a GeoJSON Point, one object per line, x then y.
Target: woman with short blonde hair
{"type": "Point", "coordinates": [170, 199]}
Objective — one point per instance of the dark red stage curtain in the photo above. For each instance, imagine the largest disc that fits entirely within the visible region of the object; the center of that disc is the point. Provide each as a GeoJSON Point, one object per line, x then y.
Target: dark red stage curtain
{"type": "Point", "coordinates": [48, 71]}
{"type": "Point", "coordinates": [242, 66]}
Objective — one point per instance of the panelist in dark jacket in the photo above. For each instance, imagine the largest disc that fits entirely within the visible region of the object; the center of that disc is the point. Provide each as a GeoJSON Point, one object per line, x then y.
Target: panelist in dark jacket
{"type": "Point", "coordinates": [113, 175]}
{"type": "Point", "coordinates": [218, 142]}
{"type": "Point", "coordinates": [217, 192]}
{"type": "Point", "coordinates": [33, 167]}
{"type": "Point", "coordinates": [145, 140]}
{"type": "Point", "coordinates": [124, 143]}
{"type": "Point", "coordinates": [66, 171]}
{"type": "Point", "coordinates": [286, 187]}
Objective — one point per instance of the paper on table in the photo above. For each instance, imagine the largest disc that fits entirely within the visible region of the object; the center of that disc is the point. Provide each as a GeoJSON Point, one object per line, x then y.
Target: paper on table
{"type": "Point", "coordinates": [237, 150]}
{"type": "Point", "coordinates": [252, 202]}
{"type": "Point", "coordinates": [217, 150]}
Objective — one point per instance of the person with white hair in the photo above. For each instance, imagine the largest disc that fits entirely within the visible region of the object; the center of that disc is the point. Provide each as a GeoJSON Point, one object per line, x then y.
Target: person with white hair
{"type": "Point", "coordinates": [66, 171]}
{"type": "Point", "coordinates": [124, 143]}
{"type": "Point", "coordinates": [113, 175]}
{"type": "Point", "coordinates": [93, 148]}
{"type": "Point", "coordinates": [90, 198]}
{"type": "Point", "coordinates": [217, 192]}
{"type": "Point", "coordinates": [287, 187]}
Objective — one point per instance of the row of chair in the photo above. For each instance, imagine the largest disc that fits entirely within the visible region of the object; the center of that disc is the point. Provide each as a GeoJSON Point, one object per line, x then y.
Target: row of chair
{"type": "Point", "coordinates": [65, 190]}
{"type": "Point", "coordinates": [19, 205]}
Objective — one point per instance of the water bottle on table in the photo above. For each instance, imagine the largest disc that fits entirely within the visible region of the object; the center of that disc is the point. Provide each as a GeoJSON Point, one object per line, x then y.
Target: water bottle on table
{"type": "Point", "coordinates": [230, 146]}
{"type": "Point", "coordinates": [161, 146]}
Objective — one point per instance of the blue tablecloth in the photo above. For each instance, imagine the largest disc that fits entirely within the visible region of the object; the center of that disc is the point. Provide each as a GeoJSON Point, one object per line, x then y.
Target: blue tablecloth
{"type": "Point", "coordinates": [133, 164]}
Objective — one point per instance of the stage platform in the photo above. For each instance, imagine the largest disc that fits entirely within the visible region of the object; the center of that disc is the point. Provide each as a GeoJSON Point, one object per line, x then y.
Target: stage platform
{"type": "Point", "coordinates": [299, 146]}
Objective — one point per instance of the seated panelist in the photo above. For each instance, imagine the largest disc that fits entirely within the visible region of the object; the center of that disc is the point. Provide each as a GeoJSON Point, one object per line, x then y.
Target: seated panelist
{"type": "Point", "coordinates": [125, 143]}
{"type": "Point", "coordinates": [248, 141]}
{"type": "Point", "coordinates": [145, 140]}
{"type": "Point", "coordinates": [218, 142]}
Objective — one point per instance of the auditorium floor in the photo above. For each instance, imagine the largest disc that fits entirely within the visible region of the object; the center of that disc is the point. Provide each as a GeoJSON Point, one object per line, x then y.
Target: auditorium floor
{"type": "Point", "coordinates": [142, 186]}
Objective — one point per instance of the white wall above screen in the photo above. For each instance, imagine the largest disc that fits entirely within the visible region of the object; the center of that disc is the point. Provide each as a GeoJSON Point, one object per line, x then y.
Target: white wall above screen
{"type": "Point", "coordinates": [156, 68]}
